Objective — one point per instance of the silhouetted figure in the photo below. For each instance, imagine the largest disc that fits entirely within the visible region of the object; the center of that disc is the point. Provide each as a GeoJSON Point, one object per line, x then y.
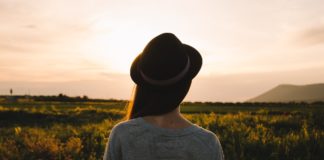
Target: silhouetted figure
{"type": "Point", "coordinates": [155, 128]}
{"type": "Point", "coordinates": [11, 91]}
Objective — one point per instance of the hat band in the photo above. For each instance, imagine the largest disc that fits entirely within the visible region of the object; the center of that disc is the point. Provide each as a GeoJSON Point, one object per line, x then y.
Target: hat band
{"type": "Point", "coordinates": [167, 81]}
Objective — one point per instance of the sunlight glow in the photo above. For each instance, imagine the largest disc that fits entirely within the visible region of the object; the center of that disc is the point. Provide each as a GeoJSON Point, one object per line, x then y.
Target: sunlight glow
{"type": "Point", "coordinates": [119, 47]}
{"type": "Point", "coordinates": [263, 43]}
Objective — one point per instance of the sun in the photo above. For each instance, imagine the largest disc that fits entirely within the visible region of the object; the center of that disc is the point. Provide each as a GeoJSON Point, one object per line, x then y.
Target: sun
{"type": "Point", "coordinates": [117, 49]}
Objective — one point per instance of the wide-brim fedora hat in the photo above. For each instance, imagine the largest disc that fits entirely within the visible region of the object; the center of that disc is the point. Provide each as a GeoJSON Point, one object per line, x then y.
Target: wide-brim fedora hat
{"type": "Point", "coordinates": [165, 62]}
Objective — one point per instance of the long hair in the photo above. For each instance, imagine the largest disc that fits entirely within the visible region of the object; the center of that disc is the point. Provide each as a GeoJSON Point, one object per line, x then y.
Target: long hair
{"type": "Point", "coordinates": [147, 101]}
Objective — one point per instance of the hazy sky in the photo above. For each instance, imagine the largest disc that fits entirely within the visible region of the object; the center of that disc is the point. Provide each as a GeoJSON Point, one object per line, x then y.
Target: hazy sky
{"type": "Point", "coordinates": [86, 46]}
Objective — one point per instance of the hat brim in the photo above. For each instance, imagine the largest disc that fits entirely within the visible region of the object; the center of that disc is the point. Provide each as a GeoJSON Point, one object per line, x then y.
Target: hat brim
{"type": "Point", "coordinates": [195, 65]}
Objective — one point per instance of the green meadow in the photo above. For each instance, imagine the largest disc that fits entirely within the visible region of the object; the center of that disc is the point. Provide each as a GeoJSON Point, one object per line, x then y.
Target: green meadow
{"type": "Point", "coordinates": [80, 130]}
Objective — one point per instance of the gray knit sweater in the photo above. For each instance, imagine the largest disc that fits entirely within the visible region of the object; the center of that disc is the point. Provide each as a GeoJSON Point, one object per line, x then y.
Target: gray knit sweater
{"type": "Point", "coordinates": [137, 139]}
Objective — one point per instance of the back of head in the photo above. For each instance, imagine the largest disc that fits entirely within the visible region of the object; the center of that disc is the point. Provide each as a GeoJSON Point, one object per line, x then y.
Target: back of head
{"type": "Point", "coordinates": [163, 74]}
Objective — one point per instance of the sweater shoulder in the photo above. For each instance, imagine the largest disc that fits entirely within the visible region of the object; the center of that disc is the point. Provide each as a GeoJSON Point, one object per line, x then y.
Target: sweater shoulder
{"type": "Point", "coordinates": [207, 137]}
{"type": "Point", "coordinates": [211, 140]}
{"type": "Point", "coordinates": [205, 134]}
{"type": "Point", "coordinates": [127, 128]}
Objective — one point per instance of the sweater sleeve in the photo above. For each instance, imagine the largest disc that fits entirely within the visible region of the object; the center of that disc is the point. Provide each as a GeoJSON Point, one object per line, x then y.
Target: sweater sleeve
{"type": "Point", "coordinates": [113, 148]}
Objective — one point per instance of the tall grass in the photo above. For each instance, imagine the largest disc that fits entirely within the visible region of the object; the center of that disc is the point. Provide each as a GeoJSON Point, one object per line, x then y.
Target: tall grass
{"type": "Point", "coordinates": [55, 132]}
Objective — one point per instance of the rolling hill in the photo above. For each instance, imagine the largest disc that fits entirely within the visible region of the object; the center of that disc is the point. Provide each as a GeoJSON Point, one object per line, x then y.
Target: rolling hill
{"type": "Point", "coordinates": [289, 93]}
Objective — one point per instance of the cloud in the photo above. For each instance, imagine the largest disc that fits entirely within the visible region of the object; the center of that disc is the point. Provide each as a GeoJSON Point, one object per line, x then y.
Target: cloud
{"type": "Point", "coordinates": [30, 26]}
{"type": "Point", "coordinates": [312, 36]}
{"type": "Point", "coordinates": [5, 47]}
{"type": "Point", "coordinates": [33, 27]}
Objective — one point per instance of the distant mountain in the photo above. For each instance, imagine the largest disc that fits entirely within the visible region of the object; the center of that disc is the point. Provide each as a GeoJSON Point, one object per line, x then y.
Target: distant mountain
{"type": "Point", "coordinates": [289, 93]}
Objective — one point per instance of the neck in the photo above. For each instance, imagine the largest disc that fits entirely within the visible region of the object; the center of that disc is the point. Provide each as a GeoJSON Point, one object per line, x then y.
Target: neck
{"type": "Point", "coordinates": [172, 120]}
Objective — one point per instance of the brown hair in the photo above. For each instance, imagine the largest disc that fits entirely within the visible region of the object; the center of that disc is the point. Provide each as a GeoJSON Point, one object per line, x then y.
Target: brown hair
{"type": "Point", "coordinates": [147, 101]}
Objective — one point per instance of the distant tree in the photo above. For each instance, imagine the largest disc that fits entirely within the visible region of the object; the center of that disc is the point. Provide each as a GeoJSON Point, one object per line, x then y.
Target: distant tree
{"type": "Point", "coordinates": [61, 95]}
{"type": "Point", "coordinates": [85, 97]}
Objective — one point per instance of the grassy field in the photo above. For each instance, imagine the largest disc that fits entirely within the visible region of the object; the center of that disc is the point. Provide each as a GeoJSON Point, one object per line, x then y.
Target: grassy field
{"type": "Point", "coordinates": [57, 130]}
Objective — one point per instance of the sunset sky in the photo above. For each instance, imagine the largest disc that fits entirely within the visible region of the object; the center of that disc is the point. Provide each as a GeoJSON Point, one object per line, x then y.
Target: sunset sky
{"type": "Point", "coordinates": [85, 47]}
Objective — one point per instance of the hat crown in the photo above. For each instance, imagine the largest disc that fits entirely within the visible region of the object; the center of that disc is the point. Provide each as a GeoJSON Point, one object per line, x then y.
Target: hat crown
{"type": "Point", "coordinates": [165, 63]}
{"type": "Point", "coordinates": [163, 57]}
